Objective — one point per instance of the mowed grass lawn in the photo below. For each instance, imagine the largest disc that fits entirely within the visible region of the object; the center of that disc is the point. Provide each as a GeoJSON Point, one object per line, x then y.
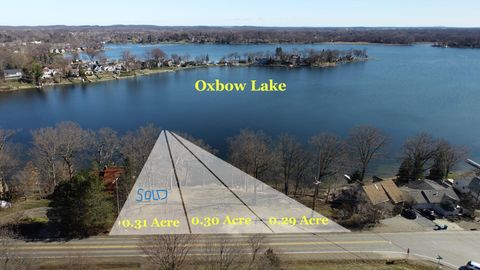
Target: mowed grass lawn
{"type": "Point", "coordinates": [22, 206]}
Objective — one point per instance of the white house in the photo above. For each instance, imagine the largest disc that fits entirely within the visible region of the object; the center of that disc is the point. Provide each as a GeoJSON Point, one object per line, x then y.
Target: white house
{"type": "Point", "coordinates": [49, 72]}
{"type": "Point", "coordinates": [12, 74]}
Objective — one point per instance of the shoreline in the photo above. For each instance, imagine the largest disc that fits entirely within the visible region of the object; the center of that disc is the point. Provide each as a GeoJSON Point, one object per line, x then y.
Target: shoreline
{"type": "Point", "coordinates": [277, 43]}
{"type": "Point", "coordinates": [105, 77]}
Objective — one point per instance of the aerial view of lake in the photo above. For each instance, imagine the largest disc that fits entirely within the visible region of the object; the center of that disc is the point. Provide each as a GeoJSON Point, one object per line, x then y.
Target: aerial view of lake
{"type": "Point", "coordinates": [402, 90]}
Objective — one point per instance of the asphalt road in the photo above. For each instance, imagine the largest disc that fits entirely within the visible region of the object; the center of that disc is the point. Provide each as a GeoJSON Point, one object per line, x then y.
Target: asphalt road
{"type": "Point", "coordinates": [456, 248]}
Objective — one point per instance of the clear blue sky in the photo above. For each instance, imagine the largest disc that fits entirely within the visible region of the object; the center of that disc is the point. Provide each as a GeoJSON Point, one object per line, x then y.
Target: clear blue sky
{"type": "Point", "coordinates": [457, 13]}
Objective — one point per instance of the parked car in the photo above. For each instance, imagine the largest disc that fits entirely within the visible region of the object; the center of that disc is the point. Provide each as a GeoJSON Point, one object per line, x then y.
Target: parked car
{"type": "Point", "coordinates": [428, 213]}
{"type": "Point", "coordinates": [473, 265]}
{"type": "Point", "coordinates": [440, 228]}
{"type": "Point", "coordinates": [409, 213]}
{"type": "Point", "coordinates": [5, 204]}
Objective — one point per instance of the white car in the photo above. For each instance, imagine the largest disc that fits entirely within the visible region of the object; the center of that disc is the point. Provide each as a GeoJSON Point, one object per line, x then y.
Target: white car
{"type": "Point", "coordinates": [5, 204]}
{"type": "Point", "coordinates": [473, 265]}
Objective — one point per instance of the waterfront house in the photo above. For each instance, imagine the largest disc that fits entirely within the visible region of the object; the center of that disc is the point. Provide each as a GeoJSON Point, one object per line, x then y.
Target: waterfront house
{"type": "Point", "coordinates": [469, 186]}
{"type": "Point", "coordinates": [428, 194]}
{"type": "Point", "coordinates": [12, 74]}
{"type": "Point", "coordinates": [49, 72]}
{"type": "Point", "coordinates": [383, 192]}
{"type": "Point", "coordinates": [110, 176]}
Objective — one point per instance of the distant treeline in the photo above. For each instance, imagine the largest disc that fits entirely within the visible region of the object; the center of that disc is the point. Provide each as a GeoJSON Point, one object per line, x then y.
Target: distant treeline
{"type": "Point", "coordinates": [452, 37]}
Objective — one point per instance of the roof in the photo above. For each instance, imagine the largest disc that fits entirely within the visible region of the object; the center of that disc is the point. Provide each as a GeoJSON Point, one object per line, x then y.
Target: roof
{"type": "Point", "coordinates": [426, 184]}
{"type": "Point", "coordinates": [432, 185]}
{"type": "Point", "coordinates": [430, 196]}
{"type": "Point", "coordinates": [383, 191]}
{"type": "Point", "coordinates": [474, 184]}
{"type": "Point", "coordinates": [11, 71]}
{"type": "Point", "coordinates": [392, 191]}
{"type": "Point", "coordinates": [110, 175]}
{"type": "Point", "coordinates": [434, 196]}
{"type": "Point", "coordinates": [416, 195]}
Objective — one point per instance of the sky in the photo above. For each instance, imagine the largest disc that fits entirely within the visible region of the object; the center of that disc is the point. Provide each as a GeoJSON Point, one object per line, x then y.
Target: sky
{"type": "Point", "coordinates": [320, 13]}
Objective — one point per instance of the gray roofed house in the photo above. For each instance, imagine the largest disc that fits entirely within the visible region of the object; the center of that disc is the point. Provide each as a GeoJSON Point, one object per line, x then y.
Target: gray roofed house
{"type": "Point", "coordinates": [474, 186]}
{"type": "Point", "coordinates": [468, 186]}
{"type": "Point", "coordinates": [12, 74]}
{"type": "Point", "coordinates": [428, 194]}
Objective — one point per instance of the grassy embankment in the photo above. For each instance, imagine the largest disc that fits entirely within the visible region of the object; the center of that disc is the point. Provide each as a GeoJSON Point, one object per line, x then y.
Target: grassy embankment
{"type": "Point", "coordinates": [135, 263]}
{"type": "Point", "coordinates": [19, 207]}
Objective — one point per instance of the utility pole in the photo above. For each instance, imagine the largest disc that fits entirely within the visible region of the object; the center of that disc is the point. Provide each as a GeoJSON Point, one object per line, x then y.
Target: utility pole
{"type": "Point", "coordinates": [118, 200]}
{"type": "Point", "coordinates": [315, 193]}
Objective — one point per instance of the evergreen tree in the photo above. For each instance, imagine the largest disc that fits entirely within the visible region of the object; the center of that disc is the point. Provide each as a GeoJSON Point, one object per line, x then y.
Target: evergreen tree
{"type": "Point", "coordinates": [405, 171]}
{"type": "Point", "coordinates": [81, 206]}
{"type": "Point", "coordinates": [437, 171]}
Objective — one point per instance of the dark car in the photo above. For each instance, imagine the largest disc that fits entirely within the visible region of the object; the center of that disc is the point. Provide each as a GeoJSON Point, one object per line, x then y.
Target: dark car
{"type": "Point", "coordinates": [409, 213]}
{"type": "Point", "coordinates": [440, 228]}
{"type": "Point", "coordinates": [427, 213]}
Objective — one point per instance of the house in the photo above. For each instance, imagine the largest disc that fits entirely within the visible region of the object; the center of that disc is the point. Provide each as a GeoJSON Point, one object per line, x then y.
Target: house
{"type": "Point", "coordinates": [49, 72]}
{"type": "Point", "coordinates": [110, 176]}
{"type": "Point", "coordinates": [12, 74]}
{"type": "Point", "coordinates": [110, 68]}
{"type": "Point", "coordinates": [383, 192]}
{"type": "Point", "coordinates": [98, 69]}
{"type": "Point", "coordinates": [428, 194]}
{"type": "Point", "coordinates": [468, 186]}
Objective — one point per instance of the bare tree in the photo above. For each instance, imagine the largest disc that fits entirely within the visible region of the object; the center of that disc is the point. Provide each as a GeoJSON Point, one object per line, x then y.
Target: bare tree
{"type": "Point", "coordinates": [157, 55]}
{"type": "Point", "coordinates": [418, 151]}
{"type": "Point", "coordinates": [250, 151]}
{"type": "Point", "coordinates": [8, 159]}
{"type": "Point", "coordinates": [136, 146]}
{"type": "Point", "coordinates": [27, 181]}
{"type": "Point", "coordinates": [167, 252]}
{"type": "Point", "coordinates": [45, 152]}
{"type": "Point", "coordinates": [301, 169]}
{"type": "Point", "coordinates": [106, 145]}
{"type": "Point", "coordinates": [289, 151]}
{"type": "Point", "coordinates": [445, 159]}
{"type": "Point", "coordinates": [128, 59]}
{"type": "Point", "coordinates": [61, 63]}
{"type": "Point", "coordinates": [72, 140]}
{"type": "Point", "coordinates": [256, 243]}
{"type": "Point", "coordinates": [365, 143]}
{"type": "Point", "coordinates": [270, 261]}
{"type": "Point", "coordinates": [223, 254]}
{"type": "Point", "coordinates": [93, 51]}
{"type": "Point", "coordinates": [328, 151]}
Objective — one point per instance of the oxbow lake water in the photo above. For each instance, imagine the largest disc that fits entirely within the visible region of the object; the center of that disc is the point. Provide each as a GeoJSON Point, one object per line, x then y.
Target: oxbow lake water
{"type": "Point", "coordinates": [402, 89]}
